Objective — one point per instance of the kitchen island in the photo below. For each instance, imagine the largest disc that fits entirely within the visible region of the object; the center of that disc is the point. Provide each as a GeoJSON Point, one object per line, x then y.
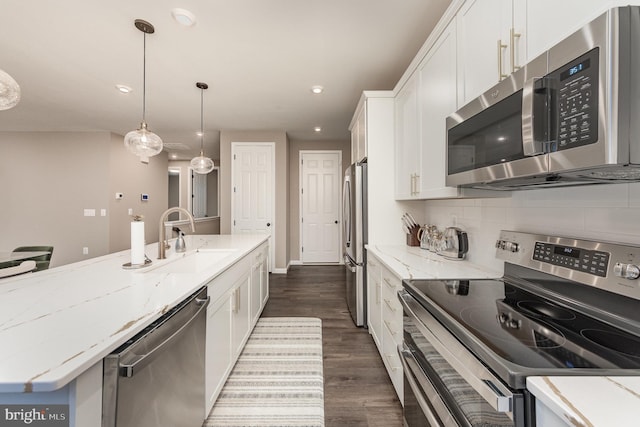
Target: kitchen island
{"type": "Point", "coordinates": [57, 325]}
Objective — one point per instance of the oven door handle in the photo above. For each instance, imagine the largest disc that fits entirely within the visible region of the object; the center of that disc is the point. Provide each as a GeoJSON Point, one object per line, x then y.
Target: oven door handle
{"type": "Point", "coordinates": [412, 369]}
{"type": "Point", "coordinates": [498, 396]}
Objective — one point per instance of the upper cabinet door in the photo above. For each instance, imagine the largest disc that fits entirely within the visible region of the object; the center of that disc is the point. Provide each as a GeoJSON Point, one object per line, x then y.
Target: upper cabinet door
{"type": "Point", "coordinates": [437, 100]}
{"type": "Point", "coordinates": [407, 144]}
{"type": "Point", "coordinates": [550, 21]}
{"type": "Point", "coordinates": [484, 46]}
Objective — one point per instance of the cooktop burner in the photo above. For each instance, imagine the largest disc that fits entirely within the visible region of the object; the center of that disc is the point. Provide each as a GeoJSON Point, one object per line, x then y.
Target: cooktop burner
{"type": "Point", "coordinates": [526, 329]}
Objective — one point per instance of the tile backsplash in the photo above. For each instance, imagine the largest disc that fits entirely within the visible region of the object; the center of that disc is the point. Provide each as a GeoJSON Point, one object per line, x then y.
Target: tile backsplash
{"type": "Point", "coordinates": [595, 212]}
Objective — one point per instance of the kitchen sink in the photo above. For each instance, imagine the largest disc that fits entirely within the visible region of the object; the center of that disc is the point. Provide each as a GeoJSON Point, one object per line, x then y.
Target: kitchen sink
{"type": "Point", "coordinates": [193, 262]}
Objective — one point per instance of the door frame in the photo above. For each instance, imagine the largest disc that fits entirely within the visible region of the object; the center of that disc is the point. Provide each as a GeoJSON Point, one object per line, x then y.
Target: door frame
{"type": "Point", "coordinates": [272, 239]}
{"type": "Point", "coordinates": [300, 204]}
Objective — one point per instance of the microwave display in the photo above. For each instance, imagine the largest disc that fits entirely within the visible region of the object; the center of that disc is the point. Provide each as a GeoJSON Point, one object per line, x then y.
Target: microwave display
{"type": "Point", "coordinates": [575, 69]}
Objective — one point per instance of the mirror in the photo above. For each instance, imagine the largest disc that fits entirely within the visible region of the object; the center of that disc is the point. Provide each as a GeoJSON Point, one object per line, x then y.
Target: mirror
{"type": "Point", "coordinates": [174, 192]}
{"type": "Point", "coordinates": [204, 194]}
{"type": "Point", "coordinates": [199, 194]}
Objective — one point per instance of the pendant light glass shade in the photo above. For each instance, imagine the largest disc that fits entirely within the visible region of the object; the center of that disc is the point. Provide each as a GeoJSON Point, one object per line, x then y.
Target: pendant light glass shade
{"type": "Point", "coordinates": [9, 91]}
{"type": "Point", "coordinates": [201, 164]}
{"type": "Point", "coordinates": [142, 142]}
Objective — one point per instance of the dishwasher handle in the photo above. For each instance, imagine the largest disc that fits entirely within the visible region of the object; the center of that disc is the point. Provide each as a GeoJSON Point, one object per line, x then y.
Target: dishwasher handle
{"type": "Point", "coordinates": [130, 369]}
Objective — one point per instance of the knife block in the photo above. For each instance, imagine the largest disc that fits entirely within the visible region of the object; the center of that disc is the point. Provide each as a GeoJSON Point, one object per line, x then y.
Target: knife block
{"type": "Point", "coordinates": [412, 237]}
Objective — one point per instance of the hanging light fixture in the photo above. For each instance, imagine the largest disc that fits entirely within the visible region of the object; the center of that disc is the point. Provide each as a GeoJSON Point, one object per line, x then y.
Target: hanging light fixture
{"type": "Point", "coordinates": [142, 142]}
{"type": "Point", "coordinates": [9, 91]}
{"type": "Point", "coordinates": [202, 164]}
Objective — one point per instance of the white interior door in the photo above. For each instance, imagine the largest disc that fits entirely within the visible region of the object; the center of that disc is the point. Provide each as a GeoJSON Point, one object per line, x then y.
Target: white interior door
{"type": "Point", "coordinates": [320, 183]}
{"type": "Point", "coordinates": [253, 191]}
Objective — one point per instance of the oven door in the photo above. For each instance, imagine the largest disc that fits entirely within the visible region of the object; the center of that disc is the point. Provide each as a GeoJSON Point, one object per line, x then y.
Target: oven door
{"type": "Point", "coordinates": [451, 386]}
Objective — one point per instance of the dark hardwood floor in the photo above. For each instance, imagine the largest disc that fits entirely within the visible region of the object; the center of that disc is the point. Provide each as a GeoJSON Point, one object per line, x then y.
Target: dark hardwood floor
{"type": "Point", "coordinates": [357, 390]}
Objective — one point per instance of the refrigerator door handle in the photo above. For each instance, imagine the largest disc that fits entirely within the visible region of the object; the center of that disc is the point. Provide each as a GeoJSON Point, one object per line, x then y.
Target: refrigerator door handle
{"type": "Point", "coordinates": [346, 207]}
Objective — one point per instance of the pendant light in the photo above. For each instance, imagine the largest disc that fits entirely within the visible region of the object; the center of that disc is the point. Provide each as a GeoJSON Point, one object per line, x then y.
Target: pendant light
{"type": "Point", "coordinates": [201, 164]}
{"type": "Point", "coordinates": [142, 142]}
{"type": "Point", "coordinates": [9, 91]}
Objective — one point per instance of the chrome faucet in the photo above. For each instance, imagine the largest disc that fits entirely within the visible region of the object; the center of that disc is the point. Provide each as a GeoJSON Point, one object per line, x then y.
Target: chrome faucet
{"type": "Point", "coordinates": [162, 239]}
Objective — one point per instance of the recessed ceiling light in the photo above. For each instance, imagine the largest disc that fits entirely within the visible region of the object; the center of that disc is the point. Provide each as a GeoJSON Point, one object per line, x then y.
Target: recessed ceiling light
{"type": "Point", "coordinates": [199, 133]}
{"type": "Point", "coordinates": [317, 89]}
{"type": "Point", "coordinates": [317, 129]}
{"type": "Point", "coordinates": [123, 88]}
{"type": "Point", "coordinates": [174, 156]}
{"type": "Point", "coordinates": [183, 17]}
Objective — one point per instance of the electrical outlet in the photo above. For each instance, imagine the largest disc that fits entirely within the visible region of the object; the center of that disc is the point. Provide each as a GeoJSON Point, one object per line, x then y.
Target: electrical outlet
{"type": "Point", "coordinates": [103, 212]}
{"type": "Point", "coordinates": [130, 211]}
{"type": "Point", "coordinates": [85, 251]}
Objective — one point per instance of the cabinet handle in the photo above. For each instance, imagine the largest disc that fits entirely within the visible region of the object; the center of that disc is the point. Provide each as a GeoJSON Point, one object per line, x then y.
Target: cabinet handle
{"type": "Point", "coordinates": [417, 186]}
{"type": "Point", "coordinates": [386, 301]}
{"type": "Point", "coordinates": [514, 36]}
{"type": "Point", "coordinates": [389, 359]}
{"type": "Point", "coordinates": [389, 284]}
{"type": "Point", "coordinates": [389, 328]}
{"type": "Point", "coordinates": [377, 293]}
{"type": "Point", "coordinates": [501, 46]}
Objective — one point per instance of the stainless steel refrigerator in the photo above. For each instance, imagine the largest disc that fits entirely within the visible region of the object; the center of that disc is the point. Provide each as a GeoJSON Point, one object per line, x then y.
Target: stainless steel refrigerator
{"type": "Point", "coordinates": [354, 237]}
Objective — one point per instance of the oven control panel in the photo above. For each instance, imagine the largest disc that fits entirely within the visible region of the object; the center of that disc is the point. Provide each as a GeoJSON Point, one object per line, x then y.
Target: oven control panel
{"type": "Point", "coordinates": [592, 262]}
{"type": "Point", "coordinates": [614, 267]}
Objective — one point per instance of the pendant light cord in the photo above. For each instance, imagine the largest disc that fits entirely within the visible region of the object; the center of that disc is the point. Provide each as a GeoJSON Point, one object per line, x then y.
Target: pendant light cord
{"type": "Point", "coordinates": [202, 122]}
{"type": "Point", "coordinates": [144, 74]}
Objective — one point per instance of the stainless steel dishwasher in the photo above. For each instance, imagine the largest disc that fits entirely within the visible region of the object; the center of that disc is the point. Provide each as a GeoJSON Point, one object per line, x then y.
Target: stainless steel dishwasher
{"type": "Point", "coordinates": [156, 378]}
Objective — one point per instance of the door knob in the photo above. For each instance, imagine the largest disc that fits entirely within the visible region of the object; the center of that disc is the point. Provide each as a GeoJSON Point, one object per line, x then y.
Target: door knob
{"type": "Point", "coordinates": [336, 221]}
{"type": "Point", "coordinates": [268, 224]}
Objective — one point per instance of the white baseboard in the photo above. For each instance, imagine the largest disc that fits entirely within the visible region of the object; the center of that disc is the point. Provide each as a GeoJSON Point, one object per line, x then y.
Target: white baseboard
{"type": "Point", "coordinates": [295, 262]}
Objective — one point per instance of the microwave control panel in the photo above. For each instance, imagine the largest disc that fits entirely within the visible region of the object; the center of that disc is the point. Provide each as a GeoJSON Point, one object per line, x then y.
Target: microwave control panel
{"type": "Point", "coordinates": [577, 101]}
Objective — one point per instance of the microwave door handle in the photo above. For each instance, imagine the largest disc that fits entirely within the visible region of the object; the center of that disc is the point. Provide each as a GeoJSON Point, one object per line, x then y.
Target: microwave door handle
{"type": "Point", "coordinates": [530, 146]}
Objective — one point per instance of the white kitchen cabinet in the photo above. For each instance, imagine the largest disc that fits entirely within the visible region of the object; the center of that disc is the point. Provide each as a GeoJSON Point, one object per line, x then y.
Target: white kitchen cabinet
{"type": "Point", "coordinates": [259, 285]}
{"type": "Point", "coordinates": [407, 141]}
{"type": "Point", "coordinates": [546, 28]}
{"type": "Point", "coordinates": [218, 348]}
{"type": "Point", "coordinates": [485, 45]}
{"type": "Point", "coordinates": [437, 100]}
{"type": "Point", "coordinates": [496, 37]}
{"type": "Point", "coordinates": [240, 315]}
{"type": "Point", "coordinates": [385, 317]}
{"type": "Point", "coordinates": [359, 135]}
{"type": "Point", "coordinates": [238, 296]}
{"type": "Point", "coordinates": [374, 299]}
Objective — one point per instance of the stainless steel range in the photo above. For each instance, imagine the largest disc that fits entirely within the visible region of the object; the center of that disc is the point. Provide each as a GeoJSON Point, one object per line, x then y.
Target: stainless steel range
{"type": "Point", "coordinates": [563, 307]}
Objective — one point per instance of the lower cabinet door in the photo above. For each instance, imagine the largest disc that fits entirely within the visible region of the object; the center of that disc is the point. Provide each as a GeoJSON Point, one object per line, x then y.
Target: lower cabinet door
{"type": "Point", "coordinates": [240, 315]}
{"type": "Point", "coordinates": [218, 349]}
{"type": "Point", "coordinates": [392, 361]}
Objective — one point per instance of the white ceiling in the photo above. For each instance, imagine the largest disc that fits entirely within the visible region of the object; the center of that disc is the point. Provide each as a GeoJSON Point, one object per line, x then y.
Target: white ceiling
{"type": "Point", "coordinates": [259, 57]}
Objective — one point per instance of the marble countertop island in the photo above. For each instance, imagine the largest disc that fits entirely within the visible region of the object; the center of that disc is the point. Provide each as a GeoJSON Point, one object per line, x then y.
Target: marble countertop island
{"type": "Point", "coordinates": [57, 323]}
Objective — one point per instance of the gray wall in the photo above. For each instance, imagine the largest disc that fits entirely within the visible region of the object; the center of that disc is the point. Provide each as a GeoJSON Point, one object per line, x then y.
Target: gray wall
{"type": "Point", "coordinates": [49, 178]}
{"type": "Point", "coordinates": [129, 176]}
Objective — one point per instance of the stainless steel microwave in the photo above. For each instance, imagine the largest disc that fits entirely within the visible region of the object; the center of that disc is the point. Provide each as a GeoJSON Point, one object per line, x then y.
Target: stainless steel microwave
{"type": "Point", "coordinates": [571, 116]}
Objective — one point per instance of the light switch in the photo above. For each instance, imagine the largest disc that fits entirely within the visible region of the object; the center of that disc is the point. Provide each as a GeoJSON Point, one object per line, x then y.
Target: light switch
{"type": "Point", "coordinates": [85, 251]}
{"type": "Point", "coordinates": [130, 211]}
{"type": "Point", "coordinates": [103, 212]}
{"type": "Point", "coordinates": [89, 212]}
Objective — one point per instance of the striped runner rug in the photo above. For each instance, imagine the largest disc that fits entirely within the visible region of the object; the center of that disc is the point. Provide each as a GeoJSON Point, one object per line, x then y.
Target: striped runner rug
{"type": "Point", "coordinates": [277, 380]}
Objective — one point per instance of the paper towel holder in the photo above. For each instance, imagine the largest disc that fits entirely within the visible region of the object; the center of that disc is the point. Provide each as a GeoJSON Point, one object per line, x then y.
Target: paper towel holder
{"type": "Point", "coordinates": [129, 266]}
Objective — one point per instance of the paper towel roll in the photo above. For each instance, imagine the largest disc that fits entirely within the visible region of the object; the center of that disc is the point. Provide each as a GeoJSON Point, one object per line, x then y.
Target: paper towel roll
{"type": "Point", "coordinates": [137, 243]}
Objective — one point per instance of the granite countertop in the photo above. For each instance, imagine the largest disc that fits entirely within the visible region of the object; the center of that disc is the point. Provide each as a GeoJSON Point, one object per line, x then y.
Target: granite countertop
{"type": "Point", "coordinates": [411, 262]}
{"type": "Point", "coordinates": [55, 324]}
{"type": "Point", "coordinates": [590, 401]}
